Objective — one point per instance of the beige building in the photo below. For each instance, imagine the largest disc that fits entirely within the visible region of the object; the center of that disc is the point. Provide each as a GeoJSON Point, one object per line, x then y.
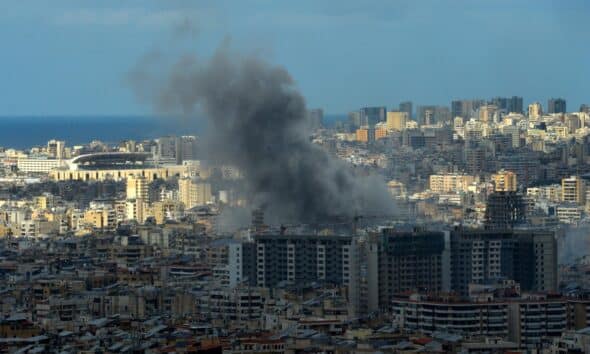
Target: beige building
{"type": "Point", "coordinates": [44, 201]}
{"type": "Point", "coordinates": [396, 120]}
{"type": "Point", "coordinates": [365, 135]}
{"type": "Point", "coordinates": [573, 190]}
{"type": "Point", "coordinates": [447, 183]}
{"type": "Point", "coordinates": [505, 181]}
{"type": "Point", "coordinates": [194, 192]}
{"type": "Point", "coordinates": [535, 111]}
{"type": "Point", "coordinates": [37, 165]}
{"type": "Point", "coordinates": [137, 187]}
{"type": "Point", "coordinates": [103, 219]}
{"type": "Point", "coordinates": [487, 113]}
{"type": "Point", "coordinates": [56, 149]}
{"type": "Point", "coordinates": [118, 174]}
{"type": "Point", "coordinates": [137, 209]}
{"type": "Point", "coordinates": [167, 210]}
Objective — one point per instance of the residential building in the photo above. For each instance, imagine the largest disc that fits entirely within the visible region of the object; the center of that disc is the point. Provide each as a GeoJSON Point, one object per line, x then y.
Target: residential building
{"type": "Point", "coordinates": [505, 181]}
{"type": "Point", "coordinates": [302, 259]}
{"type": "Point", "coordinates": [556, 105]}
{"type": "Point", "coordinates": [194, 192]}
{"type": "Point", "coordinates": [397, 120]}
{"type": "Point", "coordinates": [573, 190]}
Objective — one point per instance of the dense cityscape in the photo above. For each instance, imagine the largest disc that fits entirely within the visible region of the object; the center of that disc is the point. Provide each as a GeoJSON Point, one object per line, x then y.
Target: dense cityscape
{"type": "Point", "coordinates": [152, 246]}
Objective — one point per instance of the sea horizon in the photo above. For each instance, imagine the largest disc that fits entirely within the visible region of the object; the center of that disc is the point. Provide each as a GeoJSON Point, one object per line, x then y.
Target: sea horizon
{"type": "Point", "coordinates": [26, 131]}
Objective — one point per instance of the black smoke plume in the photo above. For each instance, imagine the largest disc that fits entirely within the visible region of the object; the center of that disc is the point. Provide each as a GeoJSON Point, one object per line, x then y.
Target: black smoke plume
{"type": "Point", "coordinates": [256, 120]}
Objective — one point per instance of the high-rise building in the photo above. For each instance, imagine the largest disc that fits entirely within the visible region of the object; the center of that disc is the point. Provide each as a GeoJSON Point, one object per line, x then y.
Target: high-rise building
{"type": "Point", "coordinates": [432, 262]}
{"type": "Point", "coordinates": [354, 120]}
{"type": "Point", "coordinates": [514, 132]}
{"type": "Point", "coordinates": [137, 187]}
{"type": "Point", "coordinates": [136, 209]}
{"type": "Point", "coordinates": [427, 115]}
{"type": "Point", "coordinates": [165, 148]}
{"type": "Point", "coordinates": [397, 120]}
{"type": "Point", "coordinates": [257, 224]}
{"type": "Point", "coordinates": [535, 111]}
{"type": "Point", "coordinates": [186, 148]}
{"type": "Point", "coordinates": [509, 104]}
{"type": "Point", "coordinates": [240, 267]}
{"type": "Point", "coordinates": [573, 190]}
{"type": "Point", "coordinates": [585, 108]}
{"type": "Point", "coordinates": [572, 122]}
{"type": "Point", "coordinates": [487, 113]}
{"type": "Point", "coordinates": [528, 257]}
{"type": "Point", "coordinates": [504, 211]}
{"type": "Point", "coordinates": [302, 259]}
{"type": "Point", "coordinates": [475, 158]}
{"type": "Point", "coordinates": [466, 108]}
{"type": "Point", "coordinates": [515, 105]}
{"type": "Point", "coordinates": [406, 107]}
{"type": "Point", "coordinates": [137, 197]}
{"type": "Point", "coordinates": [56, 149]}
{"type": "Point", "coordinates": [316, 118]}
{"type": "Point", "coordinates": [409, 261]}
{"type": "Point", "coordinates": [505, 181]}
{"type": "Point", "coordinates": [194, 192]}
{"type": "Point", "coordinates": [369, 116]}
{"type": "Point", "coordinates": [365, 135]}
{"type": "Point", "coordinates": [556, 105]}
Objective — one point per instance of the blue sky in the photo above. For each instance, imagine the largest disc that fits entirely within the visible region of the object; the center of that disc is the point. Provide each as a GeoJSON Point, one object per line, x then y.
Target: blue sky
{"type": "Point", "coordinates": [70, 57]}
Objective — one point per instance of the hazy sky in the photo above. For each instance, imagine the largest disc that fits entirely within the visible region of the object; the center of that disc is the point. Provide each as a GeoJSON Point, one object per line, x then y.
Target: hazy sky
{"type": "Point", "coordinates": [70, 57]}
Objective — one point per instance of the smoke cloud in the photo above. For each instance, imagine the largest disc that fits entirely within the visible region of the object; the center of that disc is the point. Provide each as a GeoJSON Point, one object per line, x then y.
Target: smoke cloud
{"type": "Point", "coordinates": [256, 120]}
{"type": "Point", "coordinates": [574, 244]}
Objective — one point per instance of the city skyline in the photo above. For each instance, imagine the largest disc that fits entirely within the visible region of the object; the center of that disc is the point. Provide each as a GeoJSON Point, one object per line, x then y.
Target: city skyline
{"type": "Point", "coordinates": [75, 57]}
{"type": "Point", "coordinates": [216, 176]}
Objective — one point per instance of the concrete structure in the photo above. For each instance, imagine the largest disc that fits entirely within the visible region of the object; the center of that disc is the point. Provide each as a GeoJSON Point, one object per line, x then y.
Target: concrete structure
{"type": "Point", "coordinates": [408, 261]}
{"type": "Point", "coordinates": [240, 267]}
{"type": "Point", "coordinates": [316, 118]}
{"type": "Point", "coordinates": [569, 213]}
{"type": "Point", "coordinates": [397, 120]}
{"type": "Point", "coordinates": [556, 105]}
{"type": "Point", "coordinates": [488, 114]}
{"type": "Point", "coordinates": [365, 135]}
{"type": "Point", "coordinates": [150, 173]}
{"type": "Point", "coordinates": [450, 183]}
{"type": "Point", "coordinates": [116, 166]}
{"type": "Point", "coordinates": [194, 192]}
{"type": "Point", "coordinates": [137, 187]}
{"type": "Point", "coordinates": [37, 164]}
{"type": "Point", "coordinates": [427, 315]}
{"type": "Point", "coordinates": [509, 104]}
{"type": "Point", "coordinates": [406, 107]}
{"type": "Point", "coordinates": [466, 108]}
{"type": "Point", "coordinates": [505, 181]}
{"type": "Point", "coordinates": [102, 219]}
{"type": "Point", "coordinates": [573, 190]}
{"type": "Point", "coordinates": [535, 111]}
{"type": "Point", "coordinates": [56, 149]}
{"type": "Point", "coordinates": [532, 322]}
{"type": "Point", "coordinates": [370, 116]}
{"type": "Point", "coordinates": [528, 257]}
{"type": "Point", "coordinates": [302, 259]}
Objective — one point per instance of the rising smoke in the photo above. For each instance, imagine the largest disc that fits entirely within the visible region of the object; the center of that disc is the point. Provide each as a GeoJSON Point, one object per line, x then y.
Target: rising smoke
{"type": "Point", "coordinates": [256, 120]}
